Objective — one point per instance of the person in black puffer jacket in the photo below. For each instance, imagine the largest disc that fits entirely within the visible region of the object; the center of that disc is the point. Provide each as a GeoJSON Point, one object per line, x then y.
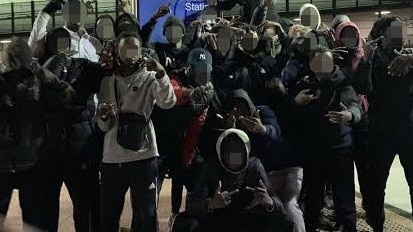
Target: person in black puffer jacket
{"type": "Point", "coordinates": [390, 114]}
{"type": "Point", "coordinates": [323, 111]}
{"type": "Point", "coordinates": [23, 132]}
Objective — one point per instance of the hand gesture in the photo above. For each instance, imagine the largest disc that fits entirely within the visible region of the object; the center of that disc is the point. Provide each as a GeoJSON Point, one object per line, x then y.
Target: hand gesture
{"type": "Point", "coordinates": [153, 65]}
{"type": "Point", "coordinates": [253, 124]}
{"type": "Point", "coordinates": [106, 111]}
{"type": "Point", "coordinates": [211, 40]}
{"type": "Point", "coordinates": [106, 60]}
{"type": "Point", "coordinates": [221, 199]}
{"type": "Point", "coordinates": [261, 197]}
{"type": "Point", "coordinates": [342, 117]}
{"type": "Point", "coordinates": [277, 85]}
{"type": "Point", "coordinates": [229, 121]}
{"type": "Point", "coordinates": [53, 6]}
{"type": "Point", "coordinates": [304, 98]}
{"type": "Point", "coordinates": [401, 65]}
{"type": "Point", "coordinates": [162, 11]}
{"type": "Point", "coordinates": [202, 94]}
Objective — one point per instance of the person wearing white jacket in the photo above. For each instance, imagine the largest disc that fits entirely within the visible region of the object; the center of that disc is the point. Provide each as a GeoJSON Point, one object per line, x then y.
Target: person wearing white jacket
{"type": "Point", "coordinates": [130, 152]}
{"type": "Point", "coordinates": [74, 12]}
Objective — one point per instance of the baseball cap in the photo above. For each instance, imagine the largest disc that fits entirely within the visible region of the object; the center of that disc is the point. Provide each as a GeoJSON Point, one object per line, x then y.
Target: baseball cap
{"type": "Point", "coordinates": [200, 61]}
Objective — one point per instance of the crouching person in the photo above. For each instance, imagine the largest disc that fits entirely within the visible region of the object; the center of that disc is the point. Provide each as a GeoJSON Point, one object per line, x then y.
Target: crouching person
{"type": "Point", "coordinates": [126, 102]}
{"type": "Point", "coordinates": [235, 195]}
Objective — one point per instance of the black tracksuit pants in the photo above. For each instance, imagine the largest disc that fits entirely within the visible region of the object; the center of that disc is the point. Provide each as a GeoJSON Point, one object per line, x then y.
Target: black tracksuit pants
{"type": "Point", "coordinates": [141, 178]}
{"type": "Point", "coordinates": [383, 151]}
{"type": "Point", "coordinates": [336, 166]}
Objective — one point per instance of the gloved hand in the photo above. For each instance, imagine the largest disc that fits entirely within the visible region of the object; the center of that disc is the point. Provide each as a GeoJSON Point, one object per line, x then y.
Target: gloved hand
{"type": "Point", "coordinates": [53, 6]}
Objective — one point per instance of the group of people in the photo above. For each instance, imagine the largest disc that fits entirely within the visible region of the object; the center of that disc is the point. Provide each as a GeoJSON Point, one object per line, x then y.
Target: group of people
{"type": "Point", "coordinates": [260, 119]}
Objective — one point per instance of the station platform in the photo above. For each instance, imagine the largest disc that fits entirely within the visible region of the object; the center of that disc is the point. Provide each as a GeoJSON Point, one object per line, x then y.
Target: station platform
{"type": "Point", "coordinates": [396, 222]}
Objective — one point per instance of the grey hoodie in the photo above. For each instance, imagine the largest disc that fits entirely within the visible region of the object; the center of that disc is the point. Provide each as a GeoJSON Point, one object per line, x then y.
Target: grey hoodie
{"type": "Point", "coordinates": [139, 93]}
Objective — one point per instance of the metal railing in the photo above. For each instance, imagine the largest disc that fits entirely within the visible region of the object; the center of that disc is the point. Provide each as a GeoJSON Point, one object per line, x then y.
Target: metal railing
{"type": "Point", "coordinates": [18, 18]}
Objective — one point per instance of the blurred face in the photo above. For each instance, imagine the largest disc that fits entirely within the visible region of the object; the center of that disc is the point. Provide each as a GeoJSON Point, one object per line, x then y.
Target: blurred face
{"type": "Point", "coordinates": [199, 74]}
{"type": "Point", "coordinates": [224, 40]}
{"type": "Point", "coordinates": [394, 35]}
{"type": "Point", "coordinates": [104, 29]}
{"type": "Point", "coordinates": [322, 65]}
{"type": "Point", "coordinates": [74, 12]}
{"type": "Point", "coordinates": [350, 37]}
{"type": "Point", "coordinates": [234, 154]}
{"type": "Point", "coordinates": [249, 41]}
{"type": "Point", "coordinates": [174, 34]}
{"type": "Point", "coordinates": [309, 18]}
{"type": "Point", "coordinates": [129, 50]}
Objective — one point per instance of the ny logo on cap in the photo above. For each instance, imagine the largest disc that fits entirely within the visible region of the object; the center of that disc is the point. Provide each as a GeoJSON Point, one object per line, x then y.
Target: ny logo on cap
{"type": "Point", "coordinates": [202, 56]}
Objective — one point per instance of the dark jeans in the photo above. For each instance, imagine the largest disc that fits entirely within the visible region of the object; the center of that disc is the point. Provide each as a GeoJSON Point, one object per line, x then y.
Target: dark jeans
{"type": "Point", "coordinates": [383, 151]}
{"type": "Point", "coordinates": [335, 165]}
{"type": "Point", "coordinates": [233, 221]}
{"type": "Point", "coordinates": [24, 181]}
{"type": "Point", "coordinates": [82, 183]}
{"type": "Point", "coordinates": [141, 178]}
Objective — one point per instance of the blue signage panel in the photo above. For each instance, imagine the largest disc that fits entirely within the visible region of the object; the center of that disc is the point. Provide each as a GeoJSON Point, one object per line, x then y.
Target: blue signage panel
{"type": "Point", "coordinates": [186, 10]}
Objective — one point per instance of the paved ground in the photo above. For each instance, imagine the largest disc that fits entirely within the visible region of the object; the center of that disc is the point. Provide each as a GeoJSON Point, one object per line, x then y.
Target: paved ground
{"type": "Point", "coordinates": [14, 223]}
{"type": "Point", "coordinates": [395, 222]}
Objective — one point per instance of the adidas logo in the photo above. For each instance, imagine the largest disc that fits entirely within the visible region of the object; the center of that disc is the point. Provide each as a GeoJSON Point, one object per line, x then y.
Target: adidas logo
{"type": "Point", "coordinates": [152, 186]}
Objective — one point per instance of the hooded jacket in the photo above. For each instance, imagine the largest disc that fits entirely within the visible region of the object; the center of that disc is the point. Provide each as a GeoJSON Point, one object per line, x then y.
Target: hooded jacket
{"type": "Point", "coordinates": [274, 152]}
{"type": "Point", "coordinates": [313, 8]}
{"type": "Point", "coordinates": [391, 100]}
{"type": "Point", "coordinates": [355, 55]}
{"type": "Point", "coordinates": [313, 127]}
{"type": "Point", "coordinates": [249, 175]}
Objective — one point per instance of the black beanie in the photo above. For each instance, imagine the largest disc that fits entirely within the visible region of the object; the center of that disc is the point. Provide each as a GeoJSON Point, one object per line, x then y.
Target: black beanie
{"type": "Point", "coordinates": [131, 23]}
{"type": "Point", "coordinates": [173, 21]}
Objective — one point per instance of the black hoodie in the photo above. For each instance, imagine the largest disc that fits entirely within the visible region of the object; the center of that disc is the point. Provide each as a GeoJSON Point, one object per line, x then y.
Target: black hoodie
{"type": "Point", "coordinates": [311, 123]}
{"type": "Point", "coordinates": [391, 101]}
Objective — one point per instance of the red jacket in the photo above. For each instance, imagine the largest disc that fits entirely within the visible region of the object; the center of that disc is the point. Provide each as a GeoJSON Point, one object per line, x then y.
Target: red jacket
{"type": "Point", "coordinates": [194, 130]}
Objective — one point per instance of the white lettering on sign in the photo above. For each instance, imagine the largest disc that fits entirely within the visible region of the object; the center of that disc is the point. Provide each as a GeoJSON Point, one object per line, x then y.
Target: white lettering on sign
{"type": "Point", "coordinates": [202, 56]}
{"type": "Point", "coordinates": [195, 6]}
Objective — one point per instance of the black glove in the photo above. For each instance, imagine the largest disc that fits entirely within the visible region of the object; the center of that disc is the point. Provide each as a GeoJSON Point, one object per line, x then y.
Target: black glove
{"type": "Point", "coordinates": [53, 6]}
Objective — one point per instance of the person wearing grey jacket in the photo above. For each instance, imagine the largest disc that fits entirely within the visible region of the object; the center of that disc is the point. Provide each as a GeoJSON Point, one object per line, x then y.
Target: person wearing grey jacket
{"type": "Point", "coordinates": [126, 102]}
